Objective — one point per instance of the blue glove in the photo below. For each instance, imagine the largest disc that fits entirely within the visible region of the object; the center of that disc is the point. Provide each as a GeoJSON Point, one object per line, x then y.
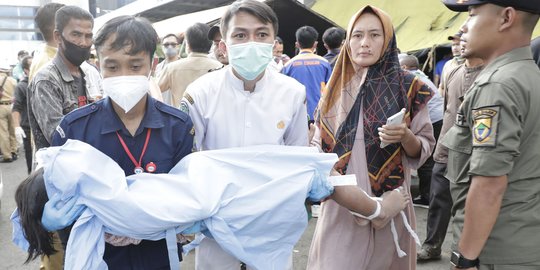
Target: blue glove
{"type": "Point", "coordinates": [320, 188]}
{"type": "Point", "coordinates": [57, 216]}
{"type": "Point", "coordinates": [195, 228]}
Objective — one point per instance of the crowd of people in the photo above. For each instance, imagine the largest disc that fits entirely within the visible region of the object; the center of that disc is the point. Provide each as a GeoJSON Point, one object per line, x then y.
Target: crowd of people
{"type": "Point", "coordinates": [470, 133]}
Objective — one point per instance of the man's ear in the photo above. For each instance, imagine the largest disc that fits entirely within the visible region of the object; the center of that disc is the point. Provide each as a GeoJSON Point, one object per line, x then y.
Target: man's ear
{"type": "Point", "coordinates": [223, 47]}
{"type": "Point", "coordinates": [315, 45]}
{"type": "Point", "coordinates": [297, 45]}
{"type": "Point", "coordinates": [507, 18]}
{"type": "Point", "coordinates": [57, 37]}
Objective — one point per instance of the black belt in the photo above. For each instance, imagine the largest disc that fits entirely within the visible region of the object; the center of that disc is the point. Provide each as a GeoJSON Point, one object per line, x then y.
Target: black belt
{"type": "Point", "coordinates": [5, 102]}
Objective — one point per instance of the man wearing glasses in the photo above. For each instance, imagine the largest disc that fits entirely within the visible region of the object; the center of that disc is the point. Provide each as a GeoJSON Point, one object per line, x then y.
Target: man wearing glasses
{"type": "Point", "coordinates": [170, 48]}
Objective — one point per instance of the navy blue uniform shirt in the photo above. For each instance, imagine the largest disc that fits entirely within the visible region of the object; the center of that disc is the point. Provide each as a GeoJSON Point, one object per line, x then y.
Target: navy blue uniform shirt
{"type": "Point", "coordinates": [171, 139]}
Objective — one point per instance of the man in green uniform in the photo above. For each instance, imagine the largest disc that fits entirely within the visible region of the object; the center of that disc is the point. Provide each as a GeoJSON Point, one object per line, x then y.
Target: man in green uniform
{"type": "Point", "coordinates": [494, 156]}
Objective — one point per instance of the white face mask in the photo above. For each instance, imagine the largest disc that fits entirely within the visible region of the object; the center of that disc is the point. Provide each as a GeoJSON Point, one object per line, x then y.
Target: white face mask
{"type": "Point", "coordinates": [126, 91]}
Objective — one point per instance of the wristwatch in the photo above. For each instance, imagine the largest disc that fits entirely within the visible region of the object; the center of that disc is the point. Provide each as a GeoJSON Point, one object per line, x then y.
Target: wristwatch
{"type": "Point", "coordinates": [460, 262]}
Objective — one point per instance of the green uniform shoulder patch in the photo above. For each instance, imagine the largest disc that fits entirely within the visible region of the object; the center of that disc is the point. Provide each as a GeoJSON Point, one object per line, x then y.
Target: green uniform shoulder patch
{"type": "Point", "coordinates": [485, 126]}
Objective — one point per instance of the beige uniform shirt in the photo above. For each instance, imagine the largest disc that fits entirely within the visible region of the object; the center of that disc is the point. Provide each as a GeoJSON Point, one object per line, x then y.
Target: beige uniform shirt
{"type": "Point", "coordinates": [177, 75]}
{"type": "Point", "coordinates": [44, 56]}
{"type": "Point", "coordinates": [497, 132]}
{"type": "Point", "coordinates": [8, 88]}
{"type": "Point", "coordinates": [456, 83]}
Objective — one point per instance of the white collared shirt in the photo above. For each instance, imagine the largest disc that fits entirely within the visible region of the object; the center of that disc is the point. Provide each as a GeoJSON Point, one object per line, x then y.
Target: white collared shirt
{"type": "Point", "coordinates": [225, 115]}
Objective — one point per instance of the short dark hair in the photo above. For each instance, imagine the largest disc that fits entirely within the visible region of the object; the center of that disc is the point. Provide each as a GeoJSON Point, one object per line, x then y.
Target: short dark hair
{"type": "Point", "coordinates": [135, 32]}
{"type": "Point", "coordinates": [529, 22]}
{"type": "Point", "coordinates": [259, 10]}
{"type": "Point", "coordinates": [22, 53]}
{"type": "Point", "coordinates": [45, 19]}
{"type": "Point", "coordinates": [66, 13]}
{"type": "Point", "coordinates": [410, 61]}
{"type": "Point", "coordinates": [306, 36]}
{"type": "Point", "coordinates": [279, 40]}
{"type": "Point", "coordinates": [25, 62]}
{"type": "Point", "coordinates": [171, 35]}
{"type": "Point", "coordinates": [333, 37]}
{"type": "Point", "coordinates": [197, 38]}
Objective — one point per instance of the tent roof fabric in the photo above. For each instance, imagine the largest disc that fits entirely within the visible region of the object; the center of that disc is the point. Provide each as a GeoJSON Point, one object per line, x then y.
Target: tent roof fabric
{"type": "Point", "coordinates": [419, 24]}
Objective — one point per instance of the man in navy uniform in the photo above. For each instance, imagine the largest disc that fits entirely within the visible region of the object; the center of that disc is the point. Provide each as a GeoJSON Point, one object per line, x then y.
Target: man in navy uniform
{"type": "Point", "coordinates": [140, 133]}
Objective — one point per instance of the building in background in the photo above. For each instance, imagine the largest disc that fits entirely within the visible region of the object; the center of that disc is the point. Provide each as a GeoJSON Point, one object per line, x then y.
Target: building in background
{"type": "Point", "coordinates": [17, 28]}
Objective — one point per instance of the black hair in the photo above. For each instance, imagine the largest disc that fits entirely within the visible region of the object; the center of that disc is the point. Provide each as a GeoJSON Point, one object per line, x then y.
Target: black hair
{"type": "Point", "coordinates": [25, 62]}
{"type": "Point", "coordinates": [257, 9]}
{"type": "Point", "coordinates": [410, 61]}
{"type": "Point", "coordinates": [45, 19]}
{"type": "Point", "coordinates": [66, 13]}
{"type": "Point", "coordinates": [134, 32]}
{"type": "Point", "coordinates": [333, 37]}
{"type": "Point", "coordinates": [31, 197]}
{"type": "Point", "coordinates": [306, 36]}
{"type": "Point", "coordinates": [171, 35]}
{"type": "Point", "coordinates": [529, 22]}
{"type": "Point", "coordinates": [279, 40]}
{"type": "Point", "coordinates": [22, 53]}
{"type": "Point", "coordinates": [197, 38]}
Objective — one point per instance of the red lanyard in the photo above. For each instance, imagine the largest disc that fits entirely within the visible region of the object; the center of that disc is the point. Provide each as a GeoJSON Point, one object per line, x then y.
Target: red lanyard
{"type": "Point", "coordinates": [138, 166]}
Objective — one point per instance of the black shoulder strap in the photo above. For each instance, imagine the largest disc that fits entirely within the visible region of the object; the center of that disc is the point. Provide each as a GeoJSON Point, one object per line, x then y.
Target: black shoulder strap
{"type": "Point", "coordinates": [2, 85]}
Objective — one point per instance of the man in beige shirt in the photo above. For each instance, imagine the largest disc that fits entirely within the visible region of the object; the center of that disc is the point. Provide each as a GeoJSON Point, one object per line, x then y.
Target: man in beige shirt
{"type": "Point", "coordinates": [45, 22]}
{"type": "Point", "coordinates": [178, 75]}
{"type": "Point", "coordinates": [8, 144]}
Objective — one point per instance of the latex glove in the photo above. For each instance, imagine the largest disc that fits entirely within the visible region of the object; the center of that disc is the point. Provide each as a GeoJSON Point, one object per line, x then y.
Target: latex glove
{"type": "Point", "coordinates": [320, 188]}
{"type": "Point", "coordinates": [195, 228]}
{"type": "Point", "coordinates": [57, 216]}
{"type": "Point", "coordinates": [19, 135]}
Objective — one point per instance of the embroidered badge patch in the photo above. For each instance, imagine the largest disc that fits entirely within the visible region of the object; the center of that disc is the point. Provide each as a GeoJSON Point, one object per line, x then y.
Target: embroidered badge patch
{"type": "Point", "coordinates": [184, 106]}
{"type": "Point", "coordinates": [485, 126]}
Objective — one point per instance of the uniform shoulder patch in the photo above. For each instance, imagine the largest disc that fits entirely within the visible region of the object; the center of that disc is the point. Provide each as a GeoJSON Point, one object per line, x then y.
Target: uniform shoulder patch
{"type": "Point", "coordinates": [184, 106]}
{"type": "Point", "coordinates": [486, 120]}
{"type": "Point", "coordinates": [172, 111]}
{"type": "Point", "coordinates": [189, 98]}
{"type": "Point", "coordinates": [81, 112]}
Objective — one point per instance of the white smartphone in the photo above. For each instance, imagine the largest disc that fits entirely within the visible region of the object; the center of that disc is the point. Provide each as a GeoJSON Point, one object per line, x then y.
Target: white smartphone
{"type": "Point", "coordinates": [394, 120]}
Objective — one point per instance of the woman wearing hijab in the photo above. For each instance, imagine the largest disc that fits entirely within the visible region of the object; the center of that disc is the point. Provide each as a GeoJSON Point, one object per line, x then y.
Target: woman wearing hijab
{"type": "Point", "coordinates": [366, 88]}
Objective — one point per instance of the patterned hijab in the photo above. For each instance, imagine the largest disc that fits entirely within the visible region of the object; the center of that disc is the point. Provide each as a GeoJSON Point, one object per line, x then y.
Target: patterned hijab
{"type": "Point", "coordinates": [385, 90]}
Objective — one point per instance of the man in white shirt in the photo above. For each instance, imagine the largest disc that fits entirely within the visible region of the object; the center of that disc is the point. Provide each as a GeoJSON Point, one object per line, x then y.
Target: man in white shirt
{"type": "Point", "coordinates": [94, 85]}
{"type": "Point", "coordinates": [244, 103]}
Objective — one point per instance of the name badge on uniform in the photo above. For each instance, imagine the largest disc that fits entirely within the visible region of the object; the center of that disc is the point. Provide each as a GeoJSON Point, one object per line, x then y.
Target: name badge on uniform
{"type": "Point", "coordinates": [460, 120]}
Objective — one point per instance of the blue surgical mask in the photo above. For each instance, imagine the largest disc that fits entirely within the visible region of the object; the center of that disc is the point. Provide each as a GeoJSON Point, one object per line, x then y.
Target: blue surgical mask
{"type": "Point", "coordinates": [250, 59]}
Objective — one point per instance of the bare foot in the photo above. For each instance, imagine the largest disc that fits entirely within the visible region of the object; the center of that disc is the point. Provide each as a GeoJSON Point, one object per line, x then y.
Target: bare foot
{"type": "Point", "coordinates": [393, 202]}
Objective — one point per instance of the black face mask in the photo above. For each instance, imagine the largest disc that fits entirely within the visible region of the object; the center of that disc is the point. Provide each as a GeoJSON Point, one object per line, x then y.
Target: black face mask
{"type": "Point", "coordinates": [75, 54]}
